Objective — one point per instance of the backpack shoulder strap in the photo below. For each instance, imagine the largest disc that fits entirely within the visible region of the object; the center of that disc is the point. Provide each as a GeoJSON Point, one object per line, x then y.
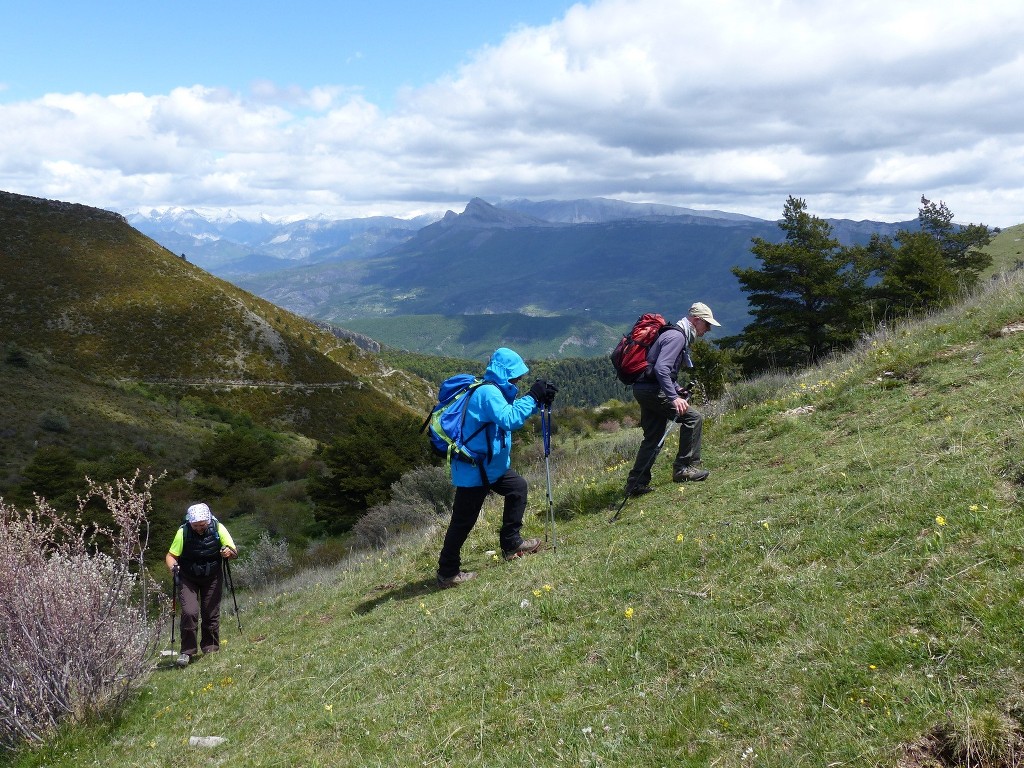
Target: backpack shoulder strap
{"type": "Point", "coordinates": [186, 529]}
{"type": "Point", "coordinates": [465, 412]}
{"type": "Point", "coordinates": [482, 428]}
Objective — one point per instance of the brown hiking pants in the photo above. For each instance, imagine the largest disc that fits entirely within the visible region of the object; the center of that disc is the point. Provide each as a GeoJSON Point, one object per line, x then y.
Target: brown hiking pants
{"type": "Point", "coordinates": [200, 597]}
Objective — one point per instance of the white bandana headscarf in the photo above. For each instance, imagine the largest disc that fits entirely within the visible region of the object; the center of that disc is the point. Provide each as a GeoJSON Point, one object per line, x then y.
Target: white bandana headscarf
{"type": "Point", "coordinates": [198, 513]}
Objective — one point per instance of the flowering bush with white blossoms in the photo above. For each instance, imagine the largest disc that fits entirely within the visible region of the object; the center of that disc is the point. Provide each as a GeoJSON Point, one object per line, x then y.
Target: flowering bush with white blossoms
{"type": "Point", "coordinates": [75, 634]}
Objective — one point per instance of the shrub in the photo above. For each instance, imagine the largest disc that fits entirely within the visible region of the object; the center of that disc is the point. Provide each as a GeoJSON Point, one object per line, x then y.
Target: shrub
{"type": "Point", "coordinates": [386, 521]}
{"type": "Point", "coordinates": [418, 500]}
{"type": "Point", "coordinates": [52, 473]}
{"type": "Point", "coordinates": [75, 637]}
{"type": "Point", "coordinates": [428, 487]}
{"type": "Point", "coordinates": [54, 421]}
{"type": "Point", "coordinates": [324, 553]}
{"type": "Point", "coordinates": [265, 563]}
{"type": "Point", "coordinates": [16, 356]}
{"type": "Point", "coordinates": [239, 454]}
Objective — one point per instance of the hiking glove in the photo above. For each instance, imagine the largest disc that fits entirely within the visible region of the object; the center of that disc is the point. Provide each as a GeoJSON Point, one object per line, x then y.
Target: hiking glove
{"type": "Point", "coordinates": [550, 390]}
{"type": "Point", "coordinates": [539, 391]}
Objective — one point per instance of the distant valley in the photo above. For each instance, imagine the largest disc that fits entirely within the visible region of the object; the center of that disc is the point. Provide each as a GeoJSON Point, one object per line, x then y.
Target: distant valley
{"type": "Point", "coordinates": [556, 278]}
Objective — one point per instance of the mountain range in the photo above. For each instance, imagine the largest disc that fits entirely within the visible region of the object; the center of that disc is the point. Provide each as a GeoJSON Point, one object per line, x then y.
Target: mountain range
{"type": "Point", "coordinates": [557, 278]}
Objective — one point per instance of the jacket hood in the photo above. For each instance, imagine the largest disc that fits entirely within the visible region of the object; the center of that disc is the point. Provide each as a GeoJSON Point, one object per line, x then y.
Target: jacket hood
{"type": "Point", "coordinates": [504, 365]}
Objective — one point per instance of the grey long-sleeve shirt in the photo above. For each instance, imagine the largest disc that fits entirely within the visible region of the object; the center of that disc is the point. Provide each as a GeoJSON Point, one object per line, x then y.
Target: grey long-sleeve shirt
{"type": "Point", "coordinates": [667, 354]}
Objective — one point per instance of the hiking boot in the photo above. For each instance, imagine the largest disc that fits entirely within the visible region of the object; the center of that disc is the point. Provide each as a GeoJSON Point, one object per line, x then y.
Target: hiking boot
{"type": "Point", "coordinates": [183, 660]}
{"type": "Point", "coordinates": [526, 547]}
{"type": "Point", "coordinates": [690, 474]}
{"type": "Point", "coordinates": [639, 490]}
{"type": "Point", "coordinates": [443, 582]}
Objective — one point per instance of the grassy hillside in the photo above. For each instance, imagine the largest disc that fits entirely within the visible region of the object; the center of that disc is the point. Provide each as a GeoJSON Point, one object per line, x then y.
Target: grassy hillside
{"type": "Point", "coordinates": [117, 354]}
{"type": "Point", "coordinates": [1007, 250]}
{"type": "Point", "coordinates": [845, 589]}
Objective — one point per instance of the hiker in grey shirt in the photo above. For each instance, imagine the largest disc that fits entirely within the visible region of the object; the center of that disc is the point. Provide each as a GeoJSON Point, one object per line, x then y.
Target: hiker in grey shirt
{"type": "Point", "coordinates": [661, 399]}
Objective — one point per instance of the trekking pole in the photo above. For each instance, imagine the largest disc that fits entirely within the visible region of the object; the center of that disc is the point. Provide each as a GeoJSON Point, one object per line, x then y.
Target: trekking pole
{"type": "Point", "coordinates": [545, 427]}
{"type": "Point", "coordinates": [631, 486]}
{"type": "Point", "coordinates": [231, 586]}
{"type": "Point", "coordinates": [657, 452]}
{"type": "Point", "coordinates": [175, 586]}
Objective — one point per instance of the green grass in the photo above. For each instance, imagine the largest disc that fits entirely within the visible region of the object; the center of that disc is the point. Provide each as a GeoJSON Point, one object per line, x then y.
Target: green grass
{"type": "Point", "coordinates": [1007, 250]}
{"type": "Point", "coordinates": [846, 584]}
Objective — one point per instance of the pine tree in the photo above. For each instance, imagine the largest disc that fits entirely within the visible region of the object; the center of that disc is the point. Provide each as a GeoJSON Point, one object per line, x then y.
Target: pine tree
{"type": "Point", "coordinates": [361, 466]}
{"type": "Point", "coordinates": [806, 298]}
{"type": "Point", "coordinates": [960, 245]}
{"type": "Point", "coordinates": [917, 276]}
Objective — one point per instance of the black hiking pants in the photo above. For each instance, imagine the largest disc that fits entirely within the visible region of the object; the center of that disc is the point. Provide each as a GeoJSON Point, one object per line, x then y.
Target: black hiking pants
{"type": "Point", "coordinates": [656, 412]}
{"type": "Point", "coordinates": [466, 510]}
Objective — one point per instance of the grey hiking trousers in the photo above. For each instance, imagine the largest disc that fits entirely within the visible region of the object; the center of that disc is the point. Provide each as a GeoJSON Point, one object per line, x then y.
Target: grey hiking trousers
{"type": "Point", "coordinates": [656, 412]}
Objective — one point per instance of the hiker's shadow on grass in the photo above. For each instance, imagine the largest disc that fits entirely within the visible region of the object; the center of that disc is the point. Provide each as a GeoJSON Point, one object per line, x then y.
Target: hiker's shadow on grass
{"type": "Point", "coordinates": [388, 592]}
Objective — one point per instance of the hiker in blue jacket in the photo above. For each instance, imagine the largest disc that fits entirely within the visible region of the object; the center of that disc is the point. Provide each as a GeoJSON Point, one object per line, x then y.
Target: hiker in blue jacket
{"type": "Point", "coordinates": [499, 412]}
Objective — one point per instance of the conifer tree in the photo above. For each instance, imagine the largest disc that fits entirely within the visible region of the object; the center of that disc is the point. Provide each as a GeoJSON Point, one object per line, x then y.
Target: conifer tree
{"type": "Point", "coordinates": [806, 298]}
{"type": "Point", "coordinates": [916, 277]}
{"type": "Point", "coordinates": [361, 465]}
{"type": "Point", "coordinates": [924, 269]}
{"type": "Point", "coordinates": [960, 245]}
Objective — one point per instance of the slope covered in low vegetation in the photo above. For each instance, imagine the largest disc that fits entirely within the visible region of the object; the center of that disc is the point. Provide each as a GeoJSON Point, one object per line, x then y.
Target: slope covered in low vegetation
{"type": "Point", "coordinates": [845, 589]}
{"type": "Point", "coordinates": [117, 354]}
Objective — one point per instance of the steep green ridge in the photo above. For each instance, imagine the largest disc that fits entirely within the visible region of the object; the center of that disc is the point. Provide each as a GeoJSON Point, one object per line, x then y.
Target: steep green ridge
{"type": "Point", "coordinates": [845, 589]}
{"type": "Point", "coordinates": [612, 272]}
{"type": "Point", "coordinates": [83, 289]}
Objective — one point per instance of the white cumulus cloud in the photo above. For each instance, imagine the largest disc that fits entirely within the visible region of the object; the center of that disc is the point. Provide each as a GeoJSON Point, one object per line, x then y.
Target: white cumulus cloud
{"type": "Point", "coordinates": [859, 108]}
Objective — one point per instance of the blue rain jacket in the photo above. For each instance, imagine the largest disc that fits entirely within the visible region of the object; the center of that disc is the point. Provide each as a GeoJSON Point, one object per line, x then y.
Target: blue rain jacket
{"type": "Point", "coordinates": [497, 407]}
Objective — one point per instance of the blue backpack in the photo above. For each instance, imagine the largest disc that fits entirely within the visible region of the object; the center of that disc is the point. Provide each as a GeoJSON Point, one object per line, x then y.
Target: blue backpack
{"type": "Point", "coordinates": [446, 421]}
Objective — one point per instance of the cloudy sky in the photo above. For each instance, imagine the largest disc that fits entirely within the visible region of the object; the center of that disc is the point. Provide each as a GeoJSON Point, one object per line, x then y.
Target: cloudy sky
{"type": "Point", "coordinates": [404, 107]}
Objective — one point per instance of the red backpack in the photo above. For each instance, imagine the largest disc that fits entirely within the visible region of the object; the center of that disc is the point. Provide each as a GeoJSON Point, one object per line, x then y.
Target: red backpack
{"type": "Point", "coordinates": [629, 358]}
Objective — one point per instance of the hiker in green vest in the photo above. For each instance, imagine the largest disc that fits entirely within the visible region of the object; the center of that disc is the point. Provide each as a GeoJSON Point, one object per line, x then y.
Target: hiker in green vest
{"type": "Point", "coordinates": [195, 559]}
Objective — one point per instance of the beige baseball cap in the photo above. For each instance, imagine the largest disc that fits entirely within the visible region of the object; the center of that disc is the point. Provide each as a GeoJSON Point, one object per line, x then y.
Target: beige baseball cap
{"type": "Point", "coordinates": [703, 311]}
